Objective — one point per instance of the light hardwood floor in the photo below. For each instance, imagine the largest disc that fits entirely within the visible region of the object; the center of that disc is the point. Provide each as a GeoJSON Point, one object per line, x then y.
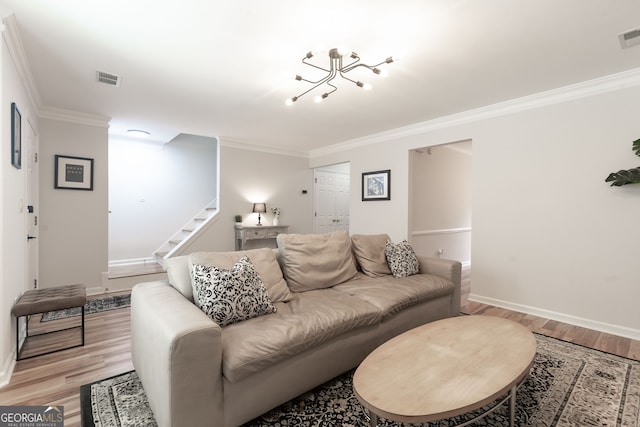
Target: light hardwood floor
{"type": "Point", "coordinates": [55, 379]}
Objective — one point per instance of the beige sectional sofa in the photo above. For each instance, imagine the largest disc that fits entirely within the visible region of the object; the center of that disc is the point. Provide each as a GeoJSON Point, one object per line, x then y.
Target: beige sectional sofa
{"type": "Point", "coordinates": [334, 299]}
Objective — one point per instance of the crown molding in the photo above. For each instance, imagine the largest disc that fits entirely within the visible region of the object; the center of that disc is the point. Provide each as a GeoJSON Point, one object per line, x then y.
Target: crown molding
{"type": "Point", "coordinates": [12, 37]}
{"type": "Point", "coordinates": [229, 142]}
{"type": "Point", "coordinates": [76, 117]}
{"type": "Point", "coordinates": [16, 50]}
{"type": "Point", "coordinates": [572, 92]}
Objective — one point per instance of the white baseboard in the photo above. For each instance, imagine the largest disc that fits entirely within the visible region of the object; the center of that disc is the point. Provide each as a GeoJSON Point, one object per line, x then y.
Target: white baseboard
{"type": "Point", "coordinates": [132, 261]}
{"type": "Point", "coordinates": [7, 369]}
{"type": "Point", "coordinates": [622, 331]}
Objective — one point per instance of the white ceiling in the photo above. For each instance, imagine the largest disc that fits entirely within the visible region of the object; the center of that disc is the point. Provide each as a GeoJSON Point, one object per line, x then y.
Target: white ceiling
{"type": "Point", "coordinates": [223, 68]}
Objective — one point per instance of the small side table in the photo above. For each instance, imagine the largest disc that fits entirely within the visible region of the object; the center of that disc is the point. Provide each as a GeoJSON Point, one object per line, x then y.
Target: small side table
{"type": "Point", "coordinates": [257, 232]}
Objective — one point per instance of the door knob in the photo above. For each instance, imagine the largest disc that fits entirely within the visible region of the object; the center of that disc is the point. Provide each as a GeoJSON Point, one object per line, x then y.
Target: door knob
{"type": "Point", "coordinates": [31, 237]}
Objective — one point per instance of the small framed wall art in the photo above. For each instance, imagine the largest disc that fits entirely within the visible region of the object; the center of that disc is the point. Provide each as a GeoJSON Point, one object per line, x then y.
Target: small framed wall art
{"type": "Point", "coordinates": [376, 185]}
{"type": "Point", "coordinates": [16, 136]}
{"type": "Point", "coordinates": [73, 173]}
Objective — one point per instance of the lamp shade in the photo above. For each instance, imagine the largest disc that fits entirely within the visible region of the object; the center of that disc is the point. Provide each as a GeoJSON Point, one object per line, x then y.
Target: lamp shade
{"type": "Point", "coordinates": [259, 207]}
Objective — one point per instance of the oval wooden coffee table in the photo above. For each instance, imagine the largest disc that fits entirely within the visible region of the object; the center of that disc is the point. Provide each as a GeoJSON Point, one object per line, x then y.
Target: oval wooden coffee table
{"type": "Point", "coordinates": [445, 368]}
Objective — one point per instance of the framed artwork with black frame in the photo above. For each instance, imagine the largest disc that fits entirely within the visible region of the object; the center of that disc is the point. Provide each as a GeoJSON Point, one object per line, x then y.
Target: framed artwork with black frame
{"type": "Point", "coordinates": [73, 173]}
{"type": "Point", "coordinates": [16, 136]}
{"type": "Point", "coordinates": [376, 185]}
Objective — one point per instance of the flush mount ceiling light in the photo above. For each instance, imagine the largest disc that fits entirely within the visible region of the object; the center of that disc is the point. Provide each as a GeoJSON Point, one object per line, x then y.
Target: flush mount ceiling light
{"type": "Point", "coordinates": [138, 133]}
{"type": "Point", "coordinates": [337, 57]}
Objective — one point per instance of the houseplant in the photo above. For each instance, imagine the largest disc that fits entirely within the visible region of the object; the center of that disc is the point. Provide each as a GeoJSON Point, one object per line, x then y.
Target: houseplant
{"type": "Point", "coordinates": [628, 176]}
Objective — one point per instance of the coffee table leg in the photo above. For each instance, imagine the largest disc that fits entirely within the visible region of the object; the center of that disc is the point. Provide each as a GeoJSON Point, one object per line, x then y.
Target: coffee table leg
{"type": "Point", "coordinates": [374, 419]}
{"type": "Point", "coordinates": [512, 406]}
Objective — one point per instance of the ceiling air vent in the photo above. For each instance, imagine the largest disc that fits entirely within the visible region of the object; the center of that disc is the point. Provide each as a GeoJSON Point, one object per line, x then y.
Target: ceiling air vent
{"type": "Point", "coordinates": [107, 78]}
{"type": "Point", "coordinates": [630, 38]}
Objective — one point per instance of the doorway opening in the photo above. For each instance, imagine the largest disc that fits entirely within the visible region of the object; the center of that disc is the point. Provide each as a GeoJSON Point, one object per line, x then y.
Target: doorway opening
{"type": "Point", "coordinates": [441, 203]}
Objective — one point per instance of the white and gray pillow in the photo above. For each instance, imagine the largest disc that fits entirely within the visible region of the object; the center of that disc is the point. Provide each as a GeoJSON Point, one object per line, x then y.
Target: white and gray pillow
{"type": "Point", "coordinates": [230, 296]}
{"type": "Point", "coordinates": [401, 258]}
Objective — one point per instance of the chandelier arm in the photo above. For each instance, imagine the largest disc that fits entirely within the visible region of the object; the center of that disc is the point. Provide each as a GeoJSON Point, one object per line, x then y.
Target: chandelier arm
{"type": "Point", "coordinates": [335, 88]}
{"type": "Point", "coordinates": [371, 67]}
{"type": "Point", "coordinates": [326, 79]}
{"type": "Point", "coordinates": [351, 65]}
{"type": "Point", "coordinates": [314, 65]}
{"type": "Point", "coordinates": [317, 81]}
{"type": "Point", "coordinates": [347, 78]}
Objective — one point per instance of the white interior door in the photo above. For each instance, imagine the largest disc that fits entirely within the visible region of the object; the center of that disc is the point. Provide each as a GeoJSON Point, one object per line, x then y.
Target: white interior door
{"type": "Point", "coordinates": [32, 192]}
{"type": "Point", "coordinates": [342, 196]}
{"type": "Point", "coordinates": [332, 192]}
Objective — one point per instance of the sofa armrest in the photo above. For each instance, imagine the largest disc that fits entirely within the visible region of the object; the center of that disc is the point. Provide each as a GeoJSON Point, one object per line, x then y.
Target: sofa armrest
{"type": "Point", "coordinates": [177, 353]}
{"type": "Point", "coordinates": [448, 269]}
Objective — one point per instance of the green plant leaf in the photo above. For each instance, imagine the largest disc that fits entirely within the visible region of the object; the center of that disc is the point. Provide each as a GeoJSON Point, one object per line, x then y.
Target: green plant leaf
{"type": "Point", "coordinates": [636, 147]}
{"type": "Point", "coordinates": [624, 177]}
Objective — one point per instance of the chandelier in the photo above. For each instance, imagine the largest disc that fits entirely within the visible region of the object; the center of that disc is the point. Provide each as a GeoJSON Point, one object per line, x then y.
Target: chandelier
{"type": "Point", "coordinates": [337, 67]}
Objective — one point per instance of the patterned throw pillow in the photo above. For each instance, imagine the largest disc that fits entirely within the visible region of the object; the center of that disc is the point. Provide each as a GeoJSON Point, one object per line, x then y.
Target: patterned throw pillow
{"type": "Point", "coordinates": [401, 258]}
{"type": "Point", "coordinates": [229, 296]}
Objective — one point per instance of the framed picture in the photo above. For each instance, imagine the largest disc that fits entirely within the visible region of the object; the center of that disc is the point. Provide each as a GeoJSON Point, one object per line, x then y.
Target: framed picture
{"type": "Point", "coordinates": [16, 136]}
{"type": "Point", "coordinates": [74, 173]}
{"type": "Point", "coordinates": [376, 185]}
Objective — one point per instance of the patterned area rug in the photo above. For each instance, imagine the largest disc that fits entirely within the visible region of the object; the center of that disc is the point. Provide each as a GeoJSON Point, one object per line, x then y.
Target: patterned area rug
{"type": "Point", "coordinates": [92, 306]}
{"type": "Point", "coordinates": [569, 385]}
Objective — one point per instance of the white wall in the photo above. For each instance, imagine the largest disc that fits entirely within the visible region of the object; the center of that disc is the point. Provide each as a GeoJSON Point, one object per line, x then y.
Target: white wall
{"type": "Point", "coordinates": [73, 223]}
{"type": "Point", "coordinates": [155, 189]}
{"type": "Point", "coordinates": [253, 176]}
{"type": "Point", "coordinates": [440, 201]}
{"type": "Point", "coordinates": [12, 207]}
{"type": "Point", "coordinates": [550, 237]}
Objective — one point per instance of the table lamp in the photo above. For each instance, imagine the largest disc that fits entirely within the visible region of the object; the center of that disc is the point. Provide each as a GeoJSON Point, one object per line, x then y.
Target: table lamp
{"type": "Point", "coordinates": [259, 208]}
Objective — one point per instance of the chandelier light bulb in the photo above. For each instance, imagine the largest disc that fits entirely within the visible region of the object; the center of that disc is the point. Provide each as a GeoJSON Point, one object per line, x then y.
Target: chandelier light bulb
{"type": "Point", "coordinates": [317, 99]}
{"type": "Point", "coordinates": [344, 51]}
{"type": "Point", "coordinates": [290, 101]}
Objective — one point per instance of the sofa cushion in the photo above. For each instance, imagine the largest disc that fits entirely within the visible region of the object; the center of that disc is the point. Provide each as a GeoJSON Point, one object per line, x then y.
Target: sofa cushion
{"type": "Point", "coordinates": [315, 261]}
{"type": "Point", "coordinates": [401, 258]}
{"type": "Point", "coordinates": [369, 252]}
{"type": "Point", "coordinates": [264, 260]}
{"type": "Point", "coordinates": [230, 296]}
{"type": "Point", "coordinates": [309, 319]}
{"type": "Point", "coordinates": [392, 295]}
{"type": "Point", "coordinates": [179, 274]}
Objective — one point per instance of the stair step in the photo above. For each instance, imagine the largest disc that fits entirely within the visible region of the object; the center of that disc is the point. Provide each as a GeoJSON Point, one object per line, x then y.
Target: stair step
{"type": "Point", "coordinates": [174, 244]}
{"type": "Point", "coordinates": [120, 271]}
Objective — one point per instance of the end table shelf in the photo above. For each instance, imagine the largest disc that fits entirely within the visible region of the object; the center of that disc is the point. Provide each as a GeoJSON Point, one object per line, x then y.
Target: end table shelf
{"type": "Point", "coordinates": [257, 232]}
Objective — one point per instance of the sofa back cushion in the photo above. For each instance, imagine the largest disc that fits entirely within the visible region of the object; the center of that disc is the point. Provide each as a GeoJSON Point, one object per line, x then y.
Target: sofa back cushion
{"type": "Point", "coordinates": [369, 252]}
{"type": "Point", "coordinates": [315, 261]}
{"type": "Point", "coordinates": [264, 261]}
{"type": "Point", "coordinates": [179, 274]}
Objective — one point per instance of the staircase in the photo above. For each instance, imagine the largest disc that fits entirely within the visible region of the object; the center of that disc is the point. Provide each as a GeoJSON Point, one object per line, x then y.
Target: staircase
{"type": "Point", "coordinates": [177, 242]}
